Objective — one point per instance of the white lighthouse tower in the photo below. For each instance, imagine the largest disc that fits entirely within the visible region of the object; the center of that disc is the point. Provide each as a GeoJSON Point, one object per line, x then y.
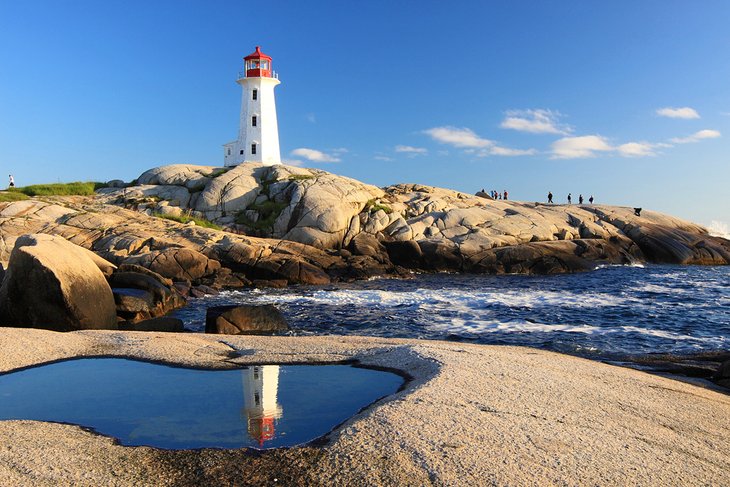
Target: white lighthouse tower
{"type": "Point", "coordinates": [261, 409]}
{"type": "Point", "coordinates": [258, 133]}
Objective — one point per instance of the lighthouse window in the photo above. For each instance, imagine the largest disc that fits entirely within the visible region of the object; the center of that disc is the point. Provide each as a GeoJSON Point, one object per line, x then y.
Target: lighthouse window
{"type": "Point", "coordinates": [229, 151]}
{"type": "Point", "coordinates": [255, 95]}
{"type": "Point", "coordinates": [241, 152]}
{"type": "Point", "coordinates": [253, 121]}
{"type": "Point", "coordinates": [253, 148]}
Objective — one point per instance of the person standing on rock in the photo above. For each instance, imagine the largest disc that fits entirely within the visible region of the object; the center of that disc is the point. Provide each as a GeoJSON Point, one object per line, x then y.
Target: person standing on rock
{"type": "Point", "coordinates": [550, 196]}
{"type": "Point", "coordinates": [505, 194]}
{"type": "Point", "coordinates": [11, 184]}
{"type": "Point", "coordinates": [570, 199]}
{"type": "Point", "coordinates": [590, 200]}
{"type": "Point", "coordinates": [580, 199]}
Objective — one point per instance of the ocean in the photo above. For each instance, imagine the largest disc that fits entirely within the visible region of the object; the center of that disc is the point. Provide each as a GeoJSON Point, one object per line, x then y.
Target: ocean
{"type": "Point", "coordinates": [611, 313]}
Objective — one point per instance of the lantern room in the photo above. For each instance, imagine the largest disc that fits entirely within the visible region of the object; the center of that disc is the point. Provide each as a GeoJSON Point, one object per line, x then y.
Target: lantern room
{"type": "Point", "coordinates": [258, 65]}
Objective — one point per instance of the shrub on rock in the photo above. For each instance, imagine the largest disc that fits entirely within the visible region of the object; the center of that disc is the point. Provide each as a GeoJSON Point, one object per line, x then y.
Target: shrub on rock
{"type": "Point", "coordinates": [53, 284]}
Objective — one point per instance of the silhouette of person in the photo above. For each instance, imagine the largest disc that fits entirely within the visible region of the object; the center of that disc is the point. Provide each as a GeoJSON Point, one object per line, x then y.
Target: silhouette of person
{"type": "Point", "coordinates": [570, 198]}
{"type": "Point", "coordinates": [12, 181]}
{"type": "Point", "coordinates": [590, 200]}
{"type": "Point", "coordinates": [550, 197]}
{"type": "Point", "coordinates": [505, 194]}
{"type": "Point", "coordinates": [637, 211]}
{"type": "Point", "coordinates": [580, 199]}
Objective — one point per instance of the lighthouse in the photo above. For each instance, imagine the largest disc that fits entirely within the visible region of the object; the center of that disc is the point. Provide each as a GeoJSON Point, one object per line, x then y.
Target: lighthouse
{"type": "Point", "coordinates": [261, 409]}
{"type": "Point", "coordinates": [258, 133]}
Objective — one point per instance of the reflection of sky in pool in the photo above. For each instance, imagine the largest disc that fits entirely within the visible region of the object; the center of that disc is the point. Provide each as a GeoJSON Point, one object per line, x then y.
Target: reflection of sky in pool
{"type": "Point", "coordinates": [167, 407]}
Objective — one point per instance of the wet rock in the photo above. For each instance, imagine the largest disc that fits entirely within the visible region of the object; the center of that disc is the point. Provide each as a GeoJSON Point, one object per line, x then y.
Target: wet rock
{"type": "Point", "coordinates": [54, 284]}
{"type": "Point", "coordinates": [722, 376]}
{"type": "Point", "coordinates": [202, 290]}
{"type": "Point", "coordinates": [163, 324]}
{"type": "Point", "coordinates": [164, 297]}
{"type": "Point", "coordinates": [405, 253]}
{"type": "Point", "coordinates": [245, 320]}
{"type": "Point", "coordinates": [272, 283]}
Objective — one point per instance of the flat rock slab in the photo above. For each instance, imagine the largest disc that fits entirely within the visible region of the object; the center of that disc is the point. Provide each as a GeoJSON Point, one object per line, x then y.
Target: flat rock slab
{"type": "Point", "coordinates": [471, 415]}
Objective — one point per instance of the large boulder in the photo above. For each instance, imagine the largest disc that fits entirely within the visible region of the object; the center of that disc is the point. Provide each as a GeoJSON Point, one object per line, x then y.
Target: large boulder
{"type": "Point", "coordinates": [53, 284]}
{"type": "Point", "coordinates": [245, 320]}
{"type": "Point", "coordinates": [176, 263]}
{"type": "Point", "coordinates": [188, 175]}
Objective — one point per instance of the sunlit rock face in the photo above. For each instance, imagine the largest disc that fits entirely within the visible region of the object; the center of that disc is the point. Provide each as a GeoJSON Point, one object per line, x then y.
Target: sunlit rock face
{"type": "Point", "coordinates": [448, 230]}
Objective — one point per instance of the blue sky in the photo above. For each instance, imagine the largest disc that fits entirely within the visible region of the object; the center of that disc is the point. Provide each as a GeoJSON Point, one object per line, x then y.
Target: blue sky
{"type": "Point", "coordinates": [625, 100]}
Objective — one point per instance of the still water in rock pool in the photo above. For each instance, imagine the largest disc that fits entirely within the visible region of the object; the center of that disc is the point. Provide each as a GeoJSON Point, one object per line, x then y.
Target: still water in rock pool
{"type": "Point", "coordinates": [605, 314]}
{"type": "Point", "coordinates": [141, 403]}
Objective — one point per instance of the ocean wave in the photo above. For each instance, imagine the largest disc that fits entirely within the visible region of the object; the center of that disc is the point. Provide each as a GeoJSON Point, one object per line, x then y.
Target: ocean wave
{"type": "Point", "coordinates": [448, 297]}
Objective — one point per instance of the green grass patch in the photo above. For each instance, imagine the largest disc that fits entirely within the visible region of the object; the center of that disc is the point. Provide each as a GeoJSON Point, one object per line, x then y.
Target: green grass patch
{"type": "Point", "coordinates": [300, 177]}
{"type": "Point", "coordinates": [268, 211]}
{"type": "Point", "coordinates": [373, 206]}
{"type": "Point", "coordinates": [7, 196]}
{"type": "Point", "coordinates": [218, 172]}
{"type": "Point", "coordinates": [201, 222]}
{"type": "Point", "coordinates": [60, 189]}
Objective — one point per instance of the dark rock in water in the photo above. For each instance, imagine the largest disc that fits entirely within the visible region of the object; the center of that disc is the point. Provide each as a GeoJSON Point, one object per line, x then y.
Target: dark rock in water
{"type": "Point", "coordinates": [667, 245]}
{"type": "Point", "coordinates": [366, 244]}
{"type": "Point", "coordinates": [273, 283]}
{"type": "Point", "coordinates": [163, 323]}
{"type": "Point", "coordinates": [405, 253]}
{"type": "Point", "coordinates": [54, 284]}
{"type": "Point", "coordinates": [244, 320]}
{"type": "Point", "coordinates": [550, 257]}
{"type": "Point", "coordinates": [164, 298]}
{"type": "Point", "coordinates": [202, 290]}
{"type": "Point", "coordinates": [722, 376]}
{"type": "Point", "coordinates": [440, 255]}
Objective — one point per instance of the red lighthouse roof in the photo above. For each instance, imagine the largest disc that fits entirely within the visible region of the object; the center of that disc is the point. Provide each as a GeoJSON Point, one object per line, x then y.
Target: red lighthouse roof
{"type": "Point", "coordinates": [257, 55]}
{"type": "Point", "coordinates": [258, 65]}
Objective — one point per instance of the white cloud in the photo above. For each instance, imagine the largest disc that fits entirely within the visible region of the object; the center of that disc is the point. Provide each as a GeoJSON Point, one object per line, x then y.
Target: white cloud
{"type": "Point", "coordinates": [314, 155]}
{"type": "Point", "coordinates": [539, 121]}
{"type": "Point", "coordinates": [458, 137]}
{"type": "Point", "coordinates": [636, 149]}
{"type": "Point", "coordinates": [340, 150]}
{"type": "Point", "coordinates": [579, 147]}
{"type": "Point", "coordinates": [506, 151]}
{"type": "Point", "coordinates": [311, 118]}
{"type": "Point", "coordinates": [411, 150]}
{"type": "Point", "coordinates": [681, 112]}
{"type": "Point", "coordinates": [381, 157]}
{"type": "Point", "coordinates": [697, 136]}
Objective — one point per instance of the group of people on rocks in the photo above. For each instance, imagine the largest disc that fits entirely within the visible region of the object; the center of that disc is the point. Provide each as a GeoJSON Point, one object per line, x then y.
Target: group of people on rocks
{"type": "Point", "coordinates": [570, 198]}
{"type": "Point", "coordinates": [496, 195]}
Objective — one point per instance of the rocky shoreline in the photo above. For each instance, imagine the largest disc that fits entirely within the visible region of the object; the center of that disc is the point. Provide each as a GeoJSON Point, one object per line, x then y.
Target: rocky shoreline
{"type": "Point", "coordinates": [117, 262]}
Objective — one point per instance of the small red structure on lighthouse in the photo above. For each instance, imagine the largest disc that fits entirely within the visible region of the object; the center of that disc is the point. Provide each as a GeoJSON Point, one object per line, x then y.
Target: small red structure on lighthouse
{"type": "Point", "coordinates": [258, 64]}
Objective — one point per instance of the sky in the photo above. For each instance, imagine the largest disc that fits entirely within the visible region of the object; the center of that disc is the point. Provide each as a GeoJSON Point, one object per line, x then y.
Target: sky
{"type": "Point", "coordinates": [628, 101]}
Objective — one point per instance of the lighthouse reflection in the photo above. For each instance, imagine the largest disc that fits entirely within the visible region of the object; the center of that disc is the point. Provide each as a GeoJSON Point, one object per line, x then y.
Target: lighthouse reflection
{"type": "Point", "coordinates": [261, 409]}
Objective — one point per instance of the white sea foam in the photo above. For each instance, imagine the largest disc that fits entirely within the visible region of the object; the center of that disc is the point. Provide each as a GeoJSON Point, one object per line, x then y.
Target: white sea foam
{"type": "Point", "coordinates": [486, 326]}
{"type": "Point", "coordinates": [451, 298]}
{"type": "Point", "coordinates": [719, 229]}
